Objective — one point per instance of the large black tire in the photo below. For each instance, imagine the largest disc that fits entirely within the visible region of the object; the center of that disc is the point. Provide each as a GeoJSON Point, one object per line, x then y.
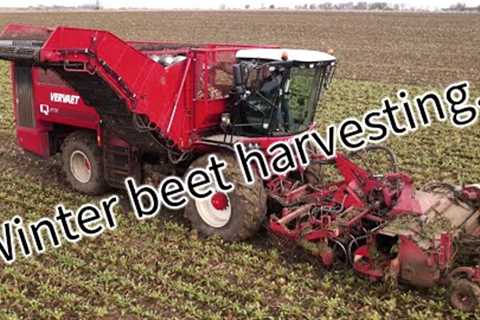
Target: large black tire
{"type": "Point", "coordinates": [465, 295]}
{"type": "Point", "coordinates": [248, 204]}
{"type": "Point", "coordinates": [84, 144]}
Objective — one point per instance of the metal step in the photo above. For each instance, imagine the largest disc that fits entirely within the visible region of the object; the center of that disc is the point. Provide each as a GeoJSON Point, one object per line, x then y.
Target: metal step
{"type": "Point", "coordinates": [119, 163]}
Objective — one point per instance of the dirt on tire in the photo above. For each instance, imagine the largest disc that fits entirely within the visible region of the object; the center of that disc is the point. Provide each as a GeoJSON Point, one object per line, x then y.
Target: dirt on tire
{"type": "Point", "coordinates": [465, 295]}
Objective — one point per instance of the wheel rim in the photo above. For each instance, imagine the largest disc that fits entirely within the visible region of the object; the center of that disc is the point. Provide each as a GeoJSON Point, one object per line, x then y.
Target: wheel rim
{"type": "Point", "coordinates": [80, 166]}
{"type": "Point", "coordinates": [216, 210]}
{"type": "Point", "coordinates": [466, 300]}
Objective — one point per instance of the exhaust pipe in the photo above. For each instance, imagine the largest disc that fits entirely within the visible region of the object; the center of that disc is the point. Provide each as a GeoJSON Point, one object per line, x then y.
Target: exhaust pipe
{"type": "Point", "coordinates": [20, 50]}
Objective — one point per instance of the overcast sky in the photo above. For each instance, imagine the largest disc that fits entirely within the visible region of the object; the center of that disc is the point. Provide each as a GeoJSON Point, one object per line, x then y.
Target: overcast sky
{"type": "Point", "coordinates": [205, 4]}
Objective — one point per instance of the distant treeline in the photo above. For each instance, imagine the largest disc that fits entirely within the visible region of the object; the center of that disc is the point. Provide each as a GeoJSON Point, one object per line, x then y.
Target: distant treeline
{"type": "Point", "coordinates": [60, 7]}
{"type": "Point", "coordinates": [347, 6]}
{"type": "Point", "coordinates": [363, 6]}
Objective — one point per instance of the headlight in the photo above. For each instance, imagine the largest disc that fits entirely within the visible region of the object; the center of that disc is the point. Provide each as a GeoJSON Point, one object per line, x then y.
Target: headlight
{"type": "Point", "coordinates": [225, 119]}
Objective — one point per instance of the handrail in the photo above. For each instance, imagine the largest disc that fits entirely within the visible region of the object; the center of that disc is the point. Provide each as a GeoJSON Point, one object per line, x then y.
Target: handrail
{"type": "Point", "coordinates": [179, 94]}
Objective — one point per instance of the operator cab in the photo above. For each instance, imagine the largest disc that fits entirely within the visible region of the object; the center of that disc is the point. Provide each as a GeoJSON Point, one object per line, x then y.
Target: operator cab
{"type": "Point", "coordinates": [276, 91]}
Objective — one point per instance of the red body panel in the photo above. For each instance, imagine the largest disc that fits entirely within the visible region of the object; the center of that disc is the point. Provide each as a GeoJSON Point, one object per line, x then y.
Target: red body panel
{"type": "Point", "coordinates": [178, 99]}
{"type": "Point", "coordinates": [50, 107]}
{"type": "Point", "coordinates": [26, 32]}
{"type": "Point", "coordinates": [34, 140]}
{"type": "Point", "coordinates": [56, 102]}
{"type": "Point", "coordinates": [166, 95]}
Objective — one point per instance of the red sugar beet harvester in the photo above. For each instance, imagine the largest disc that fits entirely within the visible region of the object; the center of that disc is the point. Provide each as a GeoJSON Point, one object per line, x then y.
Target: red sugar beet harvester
{"type": "Point", "coordinates": [118, 109]}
